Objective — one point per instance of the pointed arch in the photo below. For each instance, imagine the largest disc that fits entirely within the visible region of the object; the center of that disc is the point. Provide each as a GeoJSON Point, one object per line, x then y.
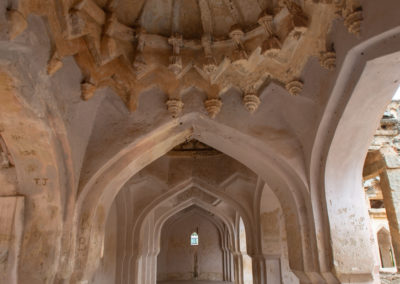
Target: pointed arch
{"type": "Point", "coordinates": [99, 192]}
{"type": "Point", "coordinates": [367, 81]}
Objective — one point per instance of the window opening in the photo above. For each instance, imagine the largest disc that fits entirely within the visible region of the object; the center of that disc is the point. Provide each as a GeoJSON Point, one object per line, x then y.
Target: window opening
{"type": "Point", "coordinates": [376, 203]}
{"type": "Point", "coordinates": [194, 239]}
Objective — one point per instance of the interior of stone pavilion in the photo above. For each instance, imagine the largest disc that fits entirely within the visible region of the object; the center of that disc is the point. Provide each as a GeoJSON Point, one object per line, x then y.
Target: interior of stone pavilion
{"type": "Point", "coordinates": [199, 141]}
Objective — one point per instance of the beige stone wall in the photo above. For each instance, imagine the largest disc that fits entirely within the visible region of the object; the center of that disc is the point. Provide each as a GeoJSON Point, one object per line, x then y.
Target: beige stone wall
{"type": "Point", "coordinates": [176, 260]}
{"type": "Point", "coordinates": [106, 272]}
{"type": "Point", "coordinates": [274, 240]}
{"type": "Point", "coordinates": [73, 156]}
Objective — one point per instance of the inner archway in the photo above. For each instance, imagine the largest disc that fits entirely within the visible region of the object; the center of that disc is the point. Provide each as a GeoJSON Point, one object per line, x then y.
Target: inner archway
{"type": "Point", "coordinates": [385, 249]}
{"type": "Point", "coordinates": [210, 132]}
{"type": "Point", "coordinates": [192, 247]}
{"type": "Point", "coordinates": [197, 180]}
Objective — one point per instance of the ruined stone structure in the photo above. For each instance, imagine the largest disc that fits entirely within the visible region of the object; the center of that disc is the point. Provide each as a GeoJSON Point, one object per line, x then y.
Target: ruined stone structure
{"type": "Point", "coordinates": [128, 126]}
{"type": "Point", "coordinates": [380, 174]}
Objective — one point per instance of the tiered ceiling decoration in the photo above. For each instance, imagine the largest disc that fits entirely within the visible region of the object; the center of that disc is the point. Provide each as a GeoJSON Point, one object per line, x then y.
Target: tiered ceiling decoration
{"type": "Point", "coordinates": [212, 45]}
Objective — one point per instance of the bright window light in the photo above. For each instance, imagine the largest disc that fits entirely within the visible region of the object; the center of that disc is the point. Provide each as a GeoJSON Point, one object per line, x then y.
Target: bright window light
{"type": "Point", "coordinates": [194, 239]}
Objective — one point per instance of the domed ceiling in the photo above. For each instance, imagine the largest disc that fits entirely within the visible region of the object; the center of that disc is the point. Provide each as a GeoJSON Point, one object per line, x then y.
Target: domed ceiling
{"type": "Point", "coordinates": [212, 45]}
{"type": "Point", "coordinates": [191, 18]}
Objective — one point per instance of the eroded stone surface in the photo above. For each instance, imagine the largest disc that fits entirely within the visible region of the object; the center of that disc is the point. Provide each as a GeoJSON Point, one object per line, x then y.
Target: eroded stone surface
{"type": "Point", "coordinates": [220, 46]}
{"type": "Point", "coordinates": [100, 181]}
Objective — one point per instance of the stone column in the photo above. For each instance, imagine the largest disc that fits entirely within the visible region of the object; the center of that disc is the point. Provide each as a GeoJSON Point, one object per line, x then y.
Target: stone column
{"type": "Point", "coordinates": [226, 256]}
{"type": "Point", "coordinates": [238, 267]}
{"type": "Point", "coordinates": [232, 267]}
{"type": "Point", "coordinates": [227, 265]}
{"type": "Point", "coordinates": [259, 272]}
{"type": "Point", "coordinates": [390, 184]}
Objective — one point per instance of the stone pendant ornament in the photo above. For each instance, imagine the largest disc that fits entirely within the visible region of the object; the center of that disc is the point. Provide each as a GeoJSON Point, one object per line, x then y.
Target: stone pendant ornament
{"type": "Point", "coordinates": [251, 101]}
{"type": "Point", "coordinates": [213, 107]}
{"type": "Point", "coordinates": [294, 87]}
{"type": "Point", "coordinates": [87, 90]}
{"type": "Point", "coordinates": [236, 34]}
{"type": "Point", "coordinates": [175, 61]}
{"type": "Point", "coordinates": [353, 22]}
{"type": "Point", "coordinates": [328, 60]}
{"type": "Point", "coordinates": [271, 46]}
{"type": "Point", "coordinates": [175, 107]}
{"type": "Point", "coordinates": [54, 64]}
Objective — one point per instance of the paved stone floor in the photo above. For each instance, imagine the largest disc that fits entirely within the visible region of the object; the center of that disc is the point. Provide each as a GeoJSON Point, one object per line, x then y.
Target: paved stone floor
{"type": "Point", "coordinates": [389, 278]}
{"type": "Point", "coordinates": [193, 282]}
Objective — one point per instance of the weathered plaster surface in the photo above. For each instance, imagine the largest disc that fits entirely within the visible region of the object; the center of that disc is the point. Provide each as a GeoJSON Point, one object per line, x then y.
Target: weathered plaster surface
{"type": "Point", "coordinates": [296, 117]}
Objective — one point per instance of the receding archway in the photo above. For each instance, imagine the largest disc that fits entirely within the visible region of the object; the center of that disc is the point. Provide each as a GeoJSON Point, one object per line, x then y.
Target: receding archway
{"type": "Point", "coordinates": [136, 157]}
{"type": "Point", "coordinates": [182, 258]}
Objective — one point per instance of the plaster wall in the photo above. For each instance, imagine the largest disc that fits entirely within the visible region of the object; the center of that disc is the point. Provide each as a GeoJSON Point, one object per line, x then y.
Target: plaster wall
{"type": "Point", "coordinates": [274, 244]}
{"type": "Point", "coordinates": [176, 260]}
{"type": "Point", "coordinates": [64, 142]}
{"type": "Point", "coordinates": [106, 271]}
{"type": "Point", "coordinates": [8, 181]}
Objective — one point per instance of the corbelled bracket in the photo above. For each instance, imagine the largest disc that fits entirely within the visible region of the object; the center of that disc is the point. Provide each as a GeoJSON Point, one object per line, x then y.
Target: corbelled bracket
{"type": "Point", "coordinates": [236, 34]}
{"type": "Point", "coordinates": [272, 44]}
{"type": "Point", "coordinates": [175, 60]}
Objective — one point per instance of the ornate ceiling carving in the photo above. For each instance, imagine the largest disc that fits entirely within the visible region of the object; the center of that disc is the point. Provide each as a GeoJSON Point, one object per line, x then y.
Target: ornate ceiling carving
{"type": "Point", "coordinates": [193, 147]}
{"type": "Point", "coordinates": [132, 46]}
{"type": "Point", "coordinates": [195, 193]}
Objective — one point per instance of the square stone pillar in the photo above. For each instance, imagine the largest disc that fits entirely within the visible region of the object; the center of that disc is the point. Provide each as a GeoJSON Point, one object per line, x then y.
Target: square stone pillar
{"type": "Point", "coordinates": [390, 184]}
{"type": "Point", "coordinates": [11, 228]}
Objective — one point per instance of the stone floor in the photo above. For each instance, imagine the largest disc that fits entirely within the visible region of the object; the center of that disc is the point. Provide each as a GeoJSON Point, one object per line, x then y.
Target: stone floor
{"type": "Point", "coordinates": [389, 278]}
{"type": "Point", "coordinates": [192, 281]}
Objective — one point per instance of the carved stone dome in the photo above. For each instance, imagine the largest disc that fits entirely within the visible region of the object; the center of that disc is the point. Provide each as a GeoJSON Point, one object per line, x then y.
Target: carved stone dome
{"type": "Point", "coordinates": [190, 18]}
{"type": "Point", "coordinates": [176, 45]}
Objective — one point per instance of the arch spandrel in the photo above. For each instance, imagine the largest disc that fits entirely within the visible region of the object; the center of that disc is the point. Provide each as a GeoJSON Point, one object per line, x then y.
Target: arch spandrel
{"type": "Point", "coordinates": [36, 157]}
{"type": "Point", "coordinates": [115, 137]}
